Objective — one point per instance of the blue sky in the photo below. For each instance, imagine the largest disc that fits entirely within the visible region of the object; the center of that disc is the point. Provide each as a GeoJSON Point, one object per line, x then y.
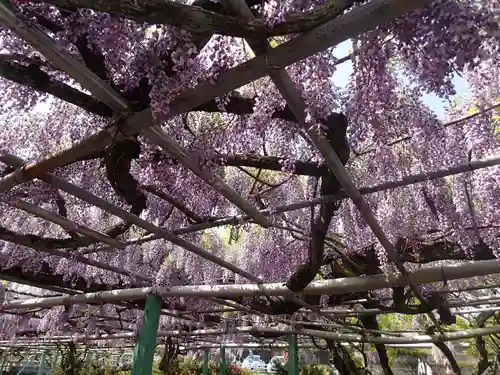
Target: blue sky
{"type": "Point", "coordinates": [341, 78]}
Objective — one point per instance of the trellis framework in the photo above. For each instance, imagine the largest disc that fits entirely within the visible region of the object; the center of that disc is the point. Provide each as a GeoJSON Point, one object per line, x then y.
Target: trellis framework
{"type": "Point", "coordinates": [271, 62]}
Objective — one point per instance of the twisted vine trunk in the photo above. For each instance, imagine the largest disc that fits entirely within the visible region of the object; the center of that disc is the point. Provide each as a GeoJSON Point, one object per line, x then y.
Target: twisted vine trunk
{"type": "Point", "coordinates": [70, 364]}
{"type": "Point", "coordinates": [342, 360]}
{"type": "Point", "coordinates": [483, 362]}
{"type": "Point", "coordinates": [169, 363]}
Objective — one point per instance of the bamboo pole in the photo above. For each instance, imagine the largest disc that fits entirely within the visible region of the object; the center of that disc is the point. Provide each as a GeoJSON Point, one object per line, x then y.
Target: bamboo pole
{"type": "Point", "coordinates": [414, 339]}
{"type": "Point", "coordinates": [315, 309]}
{"type": "Point", "coordinates": [250, 345]}
{"type": "Point", "coordinates": [127, 216]}
{"type": "Point", "coordinates": [355, 312]}
{"type": "Point", "coordinates": [476, 311]}
{"type": "Point", "coordinates": [341, 337]}
{"type": "Point", "coordinates": [360, 20]}
{"type": "Point", "coordinates": [234, 307]}
{"type": "Point", "coordinates": [405, 181]}
{"type": "Point", "coordinates": [331, 287]}
{"type": "Point", "coordinates": [64, 61]}
{"type": "Point", "coordinates": [65, 223]}
{"type": "Point", "coordinates": [374, 311]}
{"type": "Point", "coordinates": [103, 91]}
{"type": "Point", "coordinates": [300, 346]}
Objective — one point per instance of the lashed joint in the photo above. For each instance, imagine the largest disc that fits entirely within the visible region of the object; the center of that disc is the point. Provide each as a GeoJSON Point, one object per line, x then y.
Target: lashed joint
{"type": "Point", "coordinates": [19, 176]}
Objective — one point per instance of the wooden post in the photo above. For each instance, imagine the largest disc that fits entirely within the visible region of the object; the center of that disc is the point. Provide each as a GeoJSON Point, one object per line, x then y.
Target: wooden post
{"type": "Point", "coordinates": [205, 362]}
{"type": "Point", "coordinates": [146, 341]}
{"type": "Point", "coordinates": [293, 358]}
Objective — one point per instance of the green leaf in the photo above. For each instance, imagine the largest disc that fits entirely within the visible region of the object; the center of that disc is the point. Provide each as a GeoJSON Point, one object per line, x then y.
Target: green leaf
{"type": "Point", "coordinates": [471, 110]}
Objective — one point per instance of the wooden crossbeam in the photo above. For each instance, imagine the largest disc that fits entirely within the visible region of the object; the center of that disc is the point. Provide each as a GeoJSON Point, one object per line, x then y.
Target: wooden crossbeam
{"type": "Point", "coordinates": [320, 287]}
{"type": "Point", "coordinates": [288, 90]}
{"type": "Point", "coordinates": [358, 21]}
{"type": "Point", "coordinates": [129, 217]}
{"type": "Point", "coordinates": [65, 223]}
{"type": "Point", "coordinates": [104, 92]}
{"type": "Point", "coordinates": [64, 61]}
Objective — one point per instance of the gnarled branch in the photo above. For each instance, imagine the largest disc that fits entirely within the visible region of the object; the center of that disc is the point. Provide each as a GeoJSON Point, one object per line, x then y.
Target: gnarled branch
{"type": "Point", "coordinates": [199, 20]}
{"type": "Point", "coordinates": [33, 76]}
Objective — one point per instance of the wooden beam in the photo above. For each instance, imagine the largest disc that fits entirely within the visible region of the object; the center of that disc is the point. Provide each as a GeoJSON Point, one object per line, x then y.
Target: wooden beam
{"type": "Point", "coordinates": [360, 20]}
{"type": "Point", "coordinates": [104, 92]}
{"type": "Point", "coordinates": [65, 223]}
{"type": "Point", "coordinates": [327, 287]}
{"type": "Point", "coordinates": [129, 217]}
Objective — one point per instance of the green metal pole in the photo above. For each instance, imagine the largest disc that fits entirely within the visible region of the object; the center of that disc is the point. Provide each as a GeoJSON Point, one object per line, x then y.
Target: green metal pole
{"type": "Point", "coordinates": [293, 358]}
{"type": "Point", "coordinates": [205, 362]}
{"type": "Point", "coordinates": [2, 360]}
{"type": "Point", "coordinates": [41, 365]}
{"type": "Point", "coordinates": [146, 341]}
{"type": "Point", "coordinates": [222, 363]}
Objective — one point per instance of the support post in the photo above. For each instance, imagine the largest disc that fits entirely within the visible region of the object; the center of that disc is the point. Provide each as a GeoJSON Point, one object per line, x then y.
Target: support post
{"type": "Point", "coordinates": [146, 341]}
{"type": "Point", "coordinates": [2, 361]}
{"type": "Point", "coordinates": [205, 362]}
{"type": "Point", "coordinates": [222, 363]}
{"type": "Point", "coordinates": [293, 358]}
{"type": "Point", "coordinates": [41, 365]}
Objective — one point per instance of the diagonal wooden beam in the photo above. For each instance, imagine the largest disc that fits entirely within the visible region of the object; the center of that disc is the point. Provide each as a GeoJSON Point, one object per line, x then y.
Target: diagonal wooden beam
{"type": "Point", "coordinates": [65, 223]}
{"type": "Point", "coordinates": [288, 90]}
{"type": "Point", "coordinates": [351, 24]}
{"type": "Point", "coordinates": [108, 95]}
{"type": "Point", "coordinates": [64, 61]}
{"type": "Point", "coordinates": [157, 135]}
{"type": "Point", "coordinates": [128, 217]}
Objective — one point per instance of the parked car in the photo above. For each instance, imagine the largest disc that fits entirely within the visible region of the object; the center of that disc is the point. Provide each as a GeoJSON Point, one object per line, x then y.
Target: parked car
{"type": "Point", "coordinates": [254, 363]}
{"type": "Point", "coordinates": [272, 365]}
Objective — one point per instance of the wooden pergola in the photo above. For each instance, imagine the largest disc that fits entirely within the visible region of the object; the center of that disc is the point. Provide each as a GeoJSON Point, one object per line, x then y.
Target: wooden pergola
{"type": "Point", "coordinates": [332, 27]}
